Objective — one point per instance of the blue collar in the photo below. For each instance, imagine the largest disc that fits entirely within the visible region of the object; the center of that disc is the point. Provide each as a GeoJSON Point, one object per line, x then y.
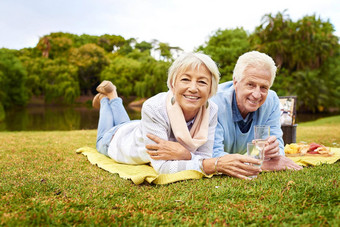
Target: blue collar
{"type": "Point", "coordinates": [243, 123]}
{"type": "Point", "coordinates": [236, 112]}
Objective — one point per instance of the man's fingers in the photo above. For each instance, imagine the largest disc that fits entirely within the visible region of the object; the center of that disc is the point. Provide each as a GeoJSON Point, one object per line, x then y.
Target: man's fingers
{"type": "Point", "coordinates": [271, 139]}
{"type": "Point", "coordinates": [154, 138]}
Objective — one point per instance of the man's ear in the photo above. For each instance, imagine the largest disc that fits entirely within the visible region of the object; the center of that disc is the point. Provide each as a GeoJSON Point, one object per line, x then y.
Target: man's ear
{"type": "Point", "coordinates": [234, 82]}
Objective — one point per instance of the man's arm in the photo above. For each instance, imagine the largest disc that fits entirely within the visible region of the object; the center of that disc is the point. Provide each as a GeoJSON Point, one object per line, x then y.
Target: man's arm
{"type": "Point", "coordinates": [218, 149]}
{"type": "Point", "coordinates": [276, 146]}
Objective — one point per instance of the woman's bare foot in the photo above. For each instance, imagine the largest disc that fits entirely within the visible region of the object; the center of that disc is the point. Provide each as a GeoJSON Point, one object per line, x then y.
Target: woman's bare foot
{"type": "Point", "coordinates": [107, 88]}
{"type": "Point", "coordinates": [113, 94]}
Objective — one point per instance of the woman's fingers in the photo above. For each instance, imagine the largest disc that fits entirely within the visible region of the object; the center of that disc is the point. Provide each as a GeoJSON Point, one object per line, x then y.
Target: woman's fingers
{"type": "Point", "coordinates": [154, 138]}
{"type": "Point", "coordinates": [152, 146]}
{"type": "Point", "coordinates": [154, 154]}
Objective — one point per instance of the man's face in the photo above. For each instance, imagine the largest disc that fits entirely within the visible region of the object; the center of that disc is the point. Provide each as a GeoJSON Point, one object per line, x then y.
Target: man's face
{"type": "Point", "coordinates": [252, 90]}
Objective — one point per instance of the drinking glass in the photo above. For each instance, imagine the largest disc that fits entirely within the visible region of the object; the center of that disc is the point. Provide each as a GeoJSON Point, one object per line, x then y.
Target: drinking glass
{"type": "Point", "coordinates": [253, 152]}
{"type": "Point", "coordinates": [261, 134]}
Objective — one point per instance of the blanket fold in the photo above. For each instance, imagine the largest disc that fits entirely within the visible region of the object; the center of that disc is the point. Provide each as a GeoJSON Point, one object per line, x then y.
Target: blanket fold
{"type": "Point", "coordinates": [137, 173]}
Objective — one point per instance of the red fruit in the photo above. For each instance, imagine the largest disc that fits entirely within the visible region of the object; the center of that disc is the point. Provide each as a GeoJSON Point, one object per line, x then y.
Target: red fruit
{"type": "Point", "coordinates": [313, 146]}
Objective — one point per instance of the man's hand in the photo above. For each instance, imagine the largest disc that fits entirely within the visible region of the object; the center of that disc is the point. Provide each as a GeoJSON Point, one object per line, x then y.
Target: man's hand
{"type": "Point", "coordinates": [166, 150]}
{"type": "Point", "coordinates": [240, 166]}
{"type": "Point", "coordinates": [279, 163]}
{"type": "Point", "coordinates": [272, 150]}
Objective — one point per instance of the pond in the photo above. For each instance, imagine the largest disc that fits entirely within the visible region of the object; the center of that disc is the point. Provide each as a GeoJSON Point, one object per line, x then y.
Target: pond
{"type": "Point", "coordinates": [50, 118]}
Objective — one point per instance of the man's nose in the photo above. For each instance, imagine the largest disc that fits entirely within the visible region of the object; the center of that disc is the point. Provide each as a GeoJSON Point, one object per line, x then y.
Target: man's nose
{"type": "Point", "coordinates": [257, 93]}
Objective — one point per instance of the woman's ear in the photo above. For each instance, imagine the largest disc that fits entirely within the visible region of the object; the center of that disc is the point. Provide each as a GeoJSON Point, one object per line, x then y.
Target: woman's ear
{"type": "Point", "coordinates": [171, 86]}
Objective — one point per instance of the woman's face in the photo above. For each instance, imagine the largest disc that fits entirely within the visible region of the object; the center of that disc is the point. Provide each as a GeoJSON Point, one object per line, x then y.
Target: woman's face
{"type": "Point", "coordinates": [191, 90]}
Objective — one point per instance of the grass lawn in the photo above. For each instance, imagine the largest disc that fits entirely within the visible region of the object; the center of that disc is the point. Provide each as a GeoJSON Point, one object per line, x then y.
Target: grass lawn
{"type": "Point", "coordinates": [44, 182]}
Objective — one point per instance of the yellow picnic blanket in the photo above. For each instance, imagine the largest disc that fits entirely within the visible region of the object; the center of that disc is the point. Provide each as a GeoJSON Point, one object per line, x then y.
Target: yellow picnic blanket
{"type": "Point", "coordinates": [145, 173]}
{"type": "Point", "coordinates": [137, 173]}
{"type": "Point", "coordinates": [313, 160]}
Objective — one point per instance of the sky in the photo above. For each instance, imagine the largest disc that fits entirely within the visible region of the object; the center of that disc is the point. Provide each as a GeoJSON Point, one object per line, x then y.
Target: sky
{"type": "Point", "coordinates": [183, 23]}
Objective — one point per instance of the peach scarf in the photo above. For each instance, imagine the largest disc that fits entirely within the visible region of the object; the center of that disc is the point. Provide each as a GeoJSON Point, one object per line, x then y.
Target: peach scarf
{"type": "Point", "coordinates": [198, 134]}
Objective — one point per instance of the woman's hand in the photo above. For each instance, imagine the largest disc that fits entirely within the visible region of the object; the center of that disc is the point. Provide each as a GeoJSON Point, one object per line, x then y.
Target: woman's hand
{"type": "Point", "coordinates": [235, 165]}
{"type": "Point", "coordinates": [166, 150]}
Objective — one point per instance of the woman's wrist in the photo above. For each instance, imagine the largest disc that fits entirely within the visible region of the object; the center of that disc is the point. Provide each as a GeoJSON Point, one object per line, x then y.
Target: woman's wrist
{"type": "Point", "coordinates": [215, 165]}
{"type": "Point", "coordinates": [209, 165]}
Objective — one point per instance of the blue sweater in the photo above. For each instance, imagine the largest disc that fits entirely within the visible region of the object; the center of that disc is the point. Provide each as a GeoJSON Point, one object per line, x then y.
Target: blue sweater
{"type": "Point", "coordinates": [228, 137]}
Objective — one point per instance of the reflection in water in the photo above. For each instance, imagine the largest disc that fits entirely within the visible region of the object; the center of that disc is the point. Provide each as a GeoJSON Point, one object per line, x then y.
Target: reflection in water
{"type": "Point", "coordinates": [50, 118]}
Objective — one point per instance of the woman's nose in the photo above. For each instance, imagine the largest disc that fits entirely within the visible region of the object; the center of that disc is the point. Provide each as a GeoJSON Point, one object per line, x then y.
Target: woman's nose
{"type": "Point", "coordinates": [193, 87]}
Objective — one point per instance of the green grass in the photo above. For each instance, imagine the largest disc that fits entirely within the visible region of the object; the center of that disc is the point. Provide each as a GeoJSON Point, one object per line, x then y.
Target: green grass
{"type": "Point", "coordinates": [44, 182]}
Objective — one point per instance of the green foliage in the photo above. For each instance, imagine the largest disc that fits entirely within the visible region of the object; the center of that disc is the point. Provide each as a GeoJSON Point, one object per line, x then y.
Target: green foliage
{"type": "Point", "coordinates": [305, 52]}
{"type": "Point", "coordinates": [110, 42]}
{"type": "Point", "coordinates": [60, 81]}
{"type": "Point", "coordinates": [156, 73]}
{"type": "Point", "coordinates": [12, 80]}
{"type": "Point", "coordinates": [2, 112]}
{"type": "Point", "coordinates": [224, 47]}
{"type": "Point", "coordinates": [90, 60]}
{"type": "Point", "coordinates": [34, 67]}
{"type": "Point", "coordinates": [144, 46]}
{"type": "Point", "coordinates": [123, 72]}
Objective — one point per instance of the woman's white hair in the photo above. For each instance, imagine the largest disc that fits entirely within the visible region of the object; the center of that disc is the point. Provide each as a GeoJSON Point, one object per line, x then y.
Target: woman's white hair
{"type": "Point", "coordinates": [257, 60]}
{"type": "Point", "coordinates": [191, 61]}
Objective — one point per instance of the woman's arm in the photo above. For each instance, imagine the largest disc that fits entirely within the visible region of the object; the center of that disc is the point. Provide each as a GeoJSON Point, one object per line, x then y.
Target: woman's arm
{"type": "Point", "coordinates": [156, 122]}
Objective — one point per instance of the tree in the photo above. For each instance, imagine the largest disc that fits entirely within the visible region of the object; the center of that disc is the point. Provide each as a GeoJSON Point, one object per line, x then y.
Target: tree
{"type": "Point", "coordinates": [303, 50]}
{"type": "Point", "coordinates": [111, 42]}
{"type": "Point", "coordinates": [12, 80]}
{"type": "Point", "coordinates": [154, 79]}
{"type": "Point", "coordinates": [273, 37]}
{"type": "Point", "coordinates": [90, 60]}
{"type": "Point", "coordinates": [224, 47]}
{"type": "Point", "coordinates": [59, 81]}
{"type": "Point", "coordinates": [144, 46]}
{"type": "Point", "coordinates": [123, 72]}
{"type": "Point", "coordinates": [166, 50]}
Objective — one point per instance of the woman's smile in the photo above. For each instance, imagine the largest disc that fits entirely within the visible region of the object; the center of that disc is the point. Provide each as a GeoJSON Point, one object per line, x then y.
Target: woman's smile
{"type": "Point", "coordinates": [192, 89]}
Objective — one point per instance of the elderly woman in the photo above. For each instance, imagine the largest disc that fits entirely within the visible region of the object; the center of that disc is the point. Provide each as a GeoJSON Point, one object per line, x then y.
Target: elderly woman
{"type": "Point", "coordinates": [184, 114]}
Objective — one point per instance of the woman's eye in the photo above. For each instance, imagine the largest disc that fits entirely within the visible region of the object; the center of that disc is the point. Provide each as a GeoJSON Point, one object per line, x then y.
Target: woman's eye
{"type": "Point", "coordinates": [184, 79]}
{"type": "Point", "coordinates": [202, 82]}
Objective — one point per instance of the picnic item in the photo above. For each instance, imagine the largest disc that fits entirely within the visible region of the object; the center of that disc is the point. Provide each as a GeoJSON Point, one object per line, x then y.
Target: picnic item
{"type": "Point", "coordinates": [302, 149]}
{"type": "Point", "coordinates": [138, 174]}
{"type": "Point", "coordinates": [253, 152]}
{"type": "Point", "coordinates": [261, 134]}
{"type": "Point", "coordinates": [312, 154]}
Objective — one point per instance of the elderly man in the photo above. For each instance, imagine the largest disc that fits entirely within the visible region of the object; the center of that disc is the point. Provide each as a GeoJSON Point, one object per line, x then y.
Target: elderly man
{"type": "Point", "coordinates": [243, 103]}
